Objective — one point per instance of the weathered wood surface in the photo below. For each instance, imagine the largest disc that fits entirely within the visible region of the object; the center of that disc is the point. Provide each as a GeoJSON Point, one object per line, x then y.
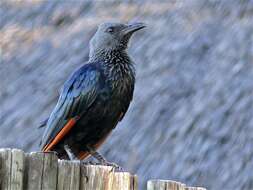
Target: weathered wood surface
{"type": "Point", "coordinates": [34, 170]}
{"type": "Point", "coordinates": [5, 169]}
{"type": "Point", "coordinates": [68, 175]}
{"type": "Point", "coordinates": [43, 171]}
{"type": "Point", "coordinates": [17, 169]}
{"type": "Point", "coordinates": [95, 178]}
{"type": "Point", "coordinates": [49, 175]}
{"type": "Point", "coordinates": [122, 180]}
{"type": "Point", "coordinates": [11, 169]}
{"type": "Point", "coordinates": [195, 188]}
{"type": "Point", "coordinates": [169, 185]}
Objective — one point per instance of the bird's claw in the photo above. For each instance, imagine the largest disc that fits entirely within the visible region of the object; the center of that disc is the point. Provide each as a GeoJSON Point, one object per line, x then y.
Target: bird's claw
{"type": "Point", "coordinates": [48, 152]}
{"type": "Point", "coordinates": [89, 163]}
{"type": "Point", "coordinates": [115, 167]}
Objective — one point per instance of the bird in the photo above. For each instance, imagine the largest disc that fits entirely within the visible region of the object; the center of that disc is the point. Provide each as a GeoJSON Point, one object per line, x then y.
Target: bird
{"type": "Point", "coordinates": [95, 98]}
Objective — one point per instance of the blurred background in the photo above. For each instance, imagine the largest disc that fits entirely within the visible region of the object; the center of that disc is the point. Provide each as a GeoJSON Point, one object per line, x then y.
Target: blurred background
{"type": "Point", "coordinates": [191, 118]}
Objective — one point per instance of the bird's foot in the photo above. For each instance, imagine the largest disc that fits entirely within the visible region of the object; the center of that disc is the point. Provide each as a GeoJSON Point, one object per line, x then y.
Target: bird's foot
{"type": "Point", "coordinates": [89, 163]}
{"type": "Point", "coordinates": [48, 152]}
{"type": "Point", "coordinates": [102, 161]}
{"type": "Point", "coordinates": [115, 167]}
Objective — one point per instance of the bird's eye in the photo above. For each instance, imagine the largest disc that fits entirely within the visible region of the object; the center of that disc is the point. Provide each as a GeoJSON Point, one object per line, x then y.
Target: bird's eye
{"type": "Point", "coordinates": [110, 30]}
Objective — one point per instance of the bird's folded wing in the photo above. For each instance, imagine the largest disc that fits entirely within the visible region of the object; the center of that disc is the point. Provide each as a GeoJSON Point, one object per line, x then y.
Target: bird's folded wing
{"type": "Point", "coordinates": [78, 94]}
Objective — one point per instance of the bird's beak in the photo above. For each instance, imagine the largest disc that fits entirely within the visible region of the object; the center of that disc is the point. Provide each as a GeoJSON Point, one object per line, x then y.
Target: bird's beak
{"type": "Point", "coordinates": [133, 27]}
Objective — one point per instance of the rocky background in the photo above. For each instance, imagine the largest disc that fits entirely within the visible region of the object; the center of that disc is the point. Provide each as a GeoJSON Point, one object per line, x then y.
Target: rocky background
{"type": "Point", "coordinates": [191, 118]}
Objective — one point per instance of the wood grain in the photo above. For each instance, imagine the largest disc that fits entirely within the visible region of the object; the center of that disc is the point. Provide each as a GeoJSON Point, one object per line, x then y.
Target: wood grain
{"type": "Point", "coordinates": [49, 175]}
{"type": "Point", "coordinates": [122, 180]}
{"type": "Point", "coordinates": [17, 169]}
{"type": "Point", "coordinates": [34, 170]}
{"type": "Point", "coordinates": [5, 169]}
{"type": "Point", "coordinates": [68, 175]}
{"type": "Point", "coordinates": [43, 171]}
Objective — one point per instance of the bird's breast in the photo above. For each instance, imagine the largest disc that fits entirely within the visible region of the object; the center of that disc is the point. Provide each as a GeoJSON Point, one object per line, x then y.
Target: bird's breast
{"type": "Point", "coordinates": [112, 99]}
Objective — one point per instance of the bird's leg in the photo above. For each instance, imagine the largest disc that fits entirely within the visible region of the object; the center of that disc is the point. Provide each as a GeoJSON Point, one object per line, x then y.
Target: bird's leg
{"type": "Point", "coordinates": [96, 155]}
{"type": "Point", "coordinates": [70, 153]}
{"type": "Point", "coordinates": [88, 162]}
{"type": "Point", "coordinates": [101, 159]}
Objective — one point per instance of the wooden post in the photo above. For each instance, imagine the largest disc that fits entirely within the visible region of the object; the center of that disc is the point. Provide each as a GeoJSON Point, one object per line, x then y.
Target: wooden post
{"type": "Point", "coordinates": [5, 169]}
{"type": "Point", "coordinates": [43, 171]}
{"type": "Point", "coordinates": [68, 175]}
{"type": "Point", "coordinates": [11, 169]}
{"type": "Point", "coordinates": [122, 181]}
{"type": "Point", "coordinates": [17, 169]}
{"type": "Point", "coordinates": [165, 185]}
{"type": "Point", "coordinates": [94, 177]}
{"type": "Point", "coordinates": [169, 185]}
{"type": "Point", "coordinates": [49, 175]}
{"type": "Point", "coordinates": [34, 170]}
{"type": "Point", "coordinates": [195, 188]}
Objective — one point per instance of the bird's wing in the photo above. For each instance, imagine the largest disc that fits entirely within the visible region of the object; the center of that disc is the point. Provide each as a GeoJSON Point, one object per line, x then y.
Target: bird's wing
{"type": "Point", "coordinates": [77, 95]}
{"type": "Point", "coordinates": [127, 103]}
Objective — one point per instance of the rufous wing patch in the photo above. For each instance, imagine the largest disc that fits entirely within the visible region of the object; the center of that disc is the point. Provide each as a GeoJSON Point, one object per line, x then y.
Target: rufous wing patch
{"type": "Point", "coordinates": [65, 130]}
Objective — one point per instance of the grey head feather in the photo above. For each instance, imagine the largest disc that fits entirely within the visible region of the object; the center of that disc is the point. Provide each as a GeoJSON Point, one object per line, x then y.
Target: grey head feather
{"type": "Point", "coordinates": [111, 37]}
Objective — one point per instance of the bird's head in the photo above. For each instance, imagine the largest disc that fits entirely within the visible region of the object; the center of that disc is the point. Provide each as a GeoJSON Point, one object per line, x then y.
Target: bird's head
{"type": "Point", "coordinates": [112, 36]}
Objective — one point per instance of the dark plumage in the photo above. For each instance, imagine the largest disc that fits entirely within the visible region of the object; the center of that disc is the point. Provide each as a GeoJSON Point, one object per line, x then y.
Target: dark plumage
{"type": "Point", "coordinates": [95, 97]}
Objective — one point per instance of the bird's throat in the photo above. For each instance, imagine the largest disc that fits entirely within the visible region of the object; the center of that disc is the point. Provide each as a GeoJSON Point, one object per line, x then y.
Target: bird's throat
{"type": "Point", "coordinates": [119, 70]}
